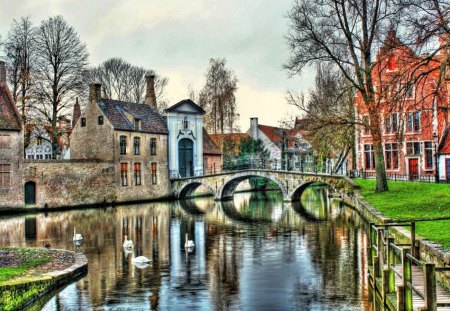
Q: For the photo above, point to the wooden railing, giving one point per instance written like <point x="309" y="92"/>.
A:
<point x="391" y="271"/>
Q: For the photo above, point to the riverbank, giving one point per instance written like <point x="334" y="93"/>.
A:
<point x="27" y="274"/>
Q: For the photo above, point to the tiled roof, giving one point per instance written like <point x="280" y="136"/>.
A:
<point x="115" y="111"/>
<point x="235" y="137"/>
<point x="9" y="116"/>
<point x="275" y="134"/>
<point x="209" y="147"/>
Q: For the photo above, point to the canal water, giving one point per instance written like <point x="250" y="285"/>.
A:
<point x="252" y="253"/>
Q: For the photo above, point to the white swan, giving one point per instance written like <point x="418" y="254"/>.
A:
<point x="189" y="244"/>
<point x="127" y="243"/>
<point x="141" y="259"/>
<point x="76" y="236"/>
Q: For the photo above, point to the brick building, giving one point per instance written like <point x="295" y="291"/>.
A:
<point x="212" y="155"/>
<point x="133" y="136"/>
<point x="11" y="146"/>
<point x="413" y="114"/>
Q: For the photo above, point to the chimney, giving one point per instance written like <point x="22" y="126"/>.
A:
<point x="2" y="73"/>
<point x="95" y="92"/>
<point x="254" y="128"/>
<point x="76" y="113"/>
<point x="150" y="96"/>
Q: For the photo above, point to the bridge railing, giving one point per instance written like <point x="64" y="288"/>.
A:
<point x="389" y="260"/>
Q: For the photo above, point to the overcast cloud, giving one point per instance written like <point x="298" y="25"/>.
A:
<point x="178" y="37"/>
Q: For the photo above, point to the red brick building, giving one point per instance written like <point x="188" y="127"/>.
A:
<point x="413" y="114"/>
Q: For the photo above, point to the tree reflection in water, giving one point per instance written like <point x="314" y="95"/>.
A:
<point x="254" y="252"/>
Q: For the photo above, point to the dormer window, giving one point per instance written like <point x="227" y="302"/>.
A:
<point x="137" y="124"/>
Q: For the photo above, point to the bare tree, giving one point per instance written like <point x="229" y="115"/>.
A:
<point x="218" y="98"/>
<point x="60" y="62"/>
<point x="20" y="50"/>
<point x="345" y="34"/>
<point x="122" y="81"/>
<point x="328" y="117"/>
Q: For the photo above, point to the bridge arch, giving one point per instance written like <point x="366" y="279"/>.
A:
<point x="187" y="189"/>
<point x="228" y="187"/>
<point x="298" y="190"/>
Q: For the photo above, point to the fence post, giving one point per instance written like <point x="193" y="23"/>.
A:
<point x="413" y="240"/>
<point x="429" y="271"/>
<point x="391" y="262"/>
<point x="407" y="280"/>
<point x="380" y="252"/>
<point x="400" y="298"/>
<point x="385" y="282"/>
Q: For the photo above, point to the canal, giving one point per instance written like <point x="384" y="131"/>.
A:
<point x="252" y="253"/>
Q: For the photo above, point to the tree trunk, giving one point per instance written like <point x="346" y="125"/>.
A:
<point x="381" y="180"/>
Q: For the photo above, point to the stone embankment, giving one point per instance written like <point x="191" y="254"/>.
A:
<point x="429" y="251"/>
<point x="63" y="268"/>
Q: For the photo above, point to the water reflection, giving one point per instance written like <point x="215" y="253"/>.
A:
<point x="255" y="252"/>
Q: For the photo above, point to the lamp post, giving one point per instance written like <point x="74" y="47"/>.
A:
<point x="435" y="141"/>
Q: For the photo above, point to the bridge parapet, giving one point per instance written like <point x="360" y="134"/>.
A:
<point x="291" y="184"/>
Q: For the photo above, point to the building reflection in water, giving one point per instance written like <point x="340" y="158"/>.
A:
<point x="253" y="252"/>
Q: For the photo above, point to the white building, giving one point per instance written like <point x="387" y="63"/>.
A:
<point x="185" y="125"/>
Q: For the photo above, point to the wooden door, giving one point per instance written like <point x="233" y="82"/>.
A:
<point x="447" y="169"/>
<point x="413" y="169"/>
<point x="185" y="157"/>
<point x="30" y="193"/>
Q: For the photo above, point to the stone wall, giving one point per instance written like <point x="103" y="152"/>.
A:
<point x="12" y="195"/>
<point x="70" y="183"/>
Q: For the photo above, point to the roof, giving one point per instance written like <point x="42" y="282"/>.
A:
<point x="9" y="116"/>
<point x="115" y="111"/>
<point x="235" y="137"/>
<point x="186" y="106"/>
<point x="275" y="134"/>
<point x="209" y="146"/>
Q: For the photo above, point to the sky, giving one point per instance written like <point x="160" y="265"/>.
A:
<point x="176" y="38"/>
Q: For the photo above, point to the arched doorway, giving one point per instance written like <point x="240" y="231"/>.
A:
<point x="185" y="157"/>
<point x="30" y="193"/>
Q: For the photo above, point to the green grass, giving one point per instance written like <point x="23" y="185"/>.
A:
<point x="408" y="200"/>
<point x="414" y="201"/>
<point x="30" y="258"/>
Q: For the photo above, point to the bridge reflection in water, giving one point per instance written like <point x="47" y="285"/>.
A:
<point x="254" y="252"/>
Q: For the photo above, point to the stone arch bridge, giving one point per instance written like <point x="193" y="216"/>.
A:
<point x="291" y="184"/>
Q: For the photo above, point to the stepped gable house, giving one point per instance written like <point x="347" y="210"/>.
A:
<point x="133" y="136"/>
<point x="11" y="146"/>
<point x="414" y="121"/>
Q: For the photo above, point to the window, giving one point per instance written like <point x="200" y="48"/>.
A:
<point x="153" y="173"/>
<point x="408" y="88"/>
<point x="391" y="123"/>
<point x="391" y="151"/>
<point x="137" y="143"/>
<point x="137" y="174"/>
<point x="124" y="174"/>
<point x="366" y="121"/>
<point x="413" y="121"/>
<point x="137" y="124"/>
<point x="5" y="175"/>
<point x="413" y="148"/>
<point x="369" y="157"/>
<point x="100" y="120"/>
<point x="83" y="122"/>
<point x="153" y="146"/>
<point x="5" y="141"/>
<point x="123" y="145"/>
<point x="428" y="154"/>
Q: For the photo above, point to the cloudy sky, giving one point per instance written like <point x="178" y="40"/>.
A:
<point x="177" y="38"/>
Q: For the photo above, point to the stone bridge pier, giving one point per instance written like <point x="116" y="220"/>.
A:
<point x="223" y="185"/>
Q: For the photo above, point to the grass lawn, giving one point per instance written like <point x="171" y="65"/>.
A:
<point x="28" y="258"/>
<point x="413" y="200"/>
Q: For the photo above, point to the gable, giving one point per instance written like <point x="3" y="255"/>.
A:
<point x="186" y="106"/>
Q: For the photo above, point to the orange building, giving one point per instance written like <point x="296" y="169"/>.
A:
<point x="413" y="112"/>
